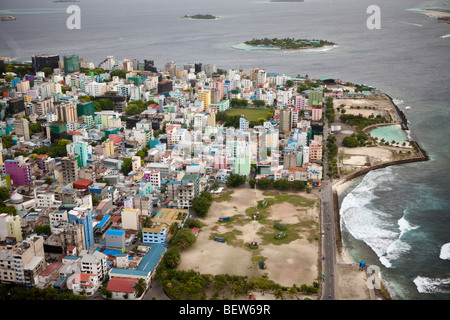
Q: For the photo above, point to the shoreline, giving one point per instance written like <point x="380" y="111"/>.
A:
<point x="341" y="185"/>
<point x="266" y="48"/>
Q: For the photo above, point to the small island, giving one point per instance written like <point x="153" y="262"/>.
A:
<point x="289" y="43"/>
<point x="201" y="16"/>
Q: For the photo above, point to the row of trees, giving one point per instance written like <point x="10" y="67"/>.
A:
<point x="57" y="149"/>
<point x="280" y="184"/>
<point x="137" y="106"/>
<point x="202" y="203"/>
<point x="15" y="293"/>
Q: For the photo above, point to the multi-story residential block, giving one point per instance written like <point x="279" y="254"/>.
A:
<point x="10" y="226"/>
<point x="85" y="284"/>
<point x="22" y="263"/>
<point x="19" y="171"/>
<point x="21" y="128"/>
<point x="130" y="219"/>
<point x="315" y="151"/>
<point x="285" y="120"/>
<point x="94" y="263"/>
<point x="188" y="190"/>
<point x="155" y="235"/>
<point x="70" y="169"/>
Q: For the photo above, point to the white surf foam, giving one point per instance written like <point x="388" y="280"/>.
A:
<point x="431" y="285"/>
<point x="412" y="24"/>
<point x="445" y="252"/>
<point x="373" y="226"/>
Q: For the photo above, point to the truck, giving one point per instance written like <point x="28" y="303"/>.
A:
<point x="218" y="239"/>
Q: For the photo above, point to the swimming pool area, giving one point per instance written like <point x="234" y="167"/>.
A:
<point x="389" y="133"/>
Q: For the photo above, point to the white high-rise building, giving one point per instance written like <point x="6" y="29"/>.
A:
<point x="95" y="89"/>
<point x="108" y="63"/>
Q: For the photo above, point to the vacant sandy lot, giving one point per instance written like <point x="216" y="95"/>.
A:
<point x="287" y="264"/>
<point x="382" y="106"/>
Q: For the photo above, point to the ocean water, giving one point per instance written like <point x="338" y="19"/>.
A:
<point x="396" y="218"/>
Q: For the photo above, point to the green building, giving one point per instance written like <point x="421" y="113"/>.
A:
<point x="135" y="80"/>
<point x="58" y="130"/>
<point x="71" y="64"/>
<point x="85" y="108"/>
<point x="82" y="151"/>
<point x="109" y="131"/>
<point x="315" y="95"/>
<point x="88" y="121"/>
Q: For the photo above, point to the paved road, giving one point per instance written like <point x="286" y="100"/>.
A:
<point x="328" y="243"/>
<point x="328" y="229"/>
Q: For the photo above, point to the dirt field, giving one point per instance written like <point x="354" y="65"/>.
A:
<point x="290" y="263"/>
<point x="382" y="106"/>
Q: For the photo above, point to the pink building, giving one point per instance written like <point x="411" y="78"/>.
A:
<point x="20" y="172"/>
<point x="219" y="86"/>
<point x="220" y="162"/>
<point x="300" y="102"/>
<point x="128" y="203"/>
<point x="316" y="113"/>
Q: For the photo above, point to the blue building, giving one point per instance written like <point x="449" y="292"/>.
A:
<point x="83" y="217"/>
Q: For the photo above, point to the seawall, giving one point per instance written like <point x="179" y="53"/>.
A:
<point x="423" y="156"/>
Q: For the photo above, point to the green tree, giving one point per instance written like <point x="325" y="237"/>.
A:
<point x="7" y="141"/>
<point x="119" y="73"/>
<point x="184" y="238"/>
<point x="58" y="148"/>
<point x="140" y="287"/>
<point x="126" y="166"/>
<point x="43" y="229"/>
<point x="350" y="142"/>
<point x="201" y="205"/>
<point x="172" y="258"/>
<point x="264" y="184"/>
<point x="4" y="193"/>
<point x="298" y="185"/>
<point x="282" y="184"/>
<point x="47" y="71"/>
<point x="35" y="128"/>
<point x="235" y="180"/>
<point x="259" y="103"/>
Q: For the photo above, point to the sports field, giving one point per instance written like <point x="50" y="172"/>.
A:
<point x="249" y="114"/>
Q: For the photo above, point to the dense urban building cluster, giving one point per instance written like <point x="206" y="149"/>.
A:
<point x="91" y="154"/>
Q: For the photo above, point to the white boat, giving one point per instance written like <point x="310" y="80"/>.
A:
<point x="8" y="18"/>
<point x="408" y="107"/>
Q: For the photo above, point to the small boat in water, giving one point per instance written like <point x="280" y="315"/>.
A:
<point x="408" y="107"/>
<point x="8" y="18"/>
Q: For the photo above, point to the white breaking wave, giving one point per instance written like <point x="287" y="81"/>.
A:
<point x="397" y="101"/>
<point x="325" y="48"/>
<point x="405" y="226"/>
<point x="432" y="285"/>
<point x="370" y="225"/>
<point x="445" y="252"/>
<point x="413" y="24"/>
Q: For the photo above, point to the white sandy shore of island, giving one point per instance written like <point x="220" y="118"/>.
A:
<point x="351" y="282"/>
<point x="246" y="47"/>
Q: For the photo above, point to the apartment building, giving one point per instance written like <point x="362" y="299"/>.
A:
<point x="22" y="263"/>
<point x="70" y="169"/>
<point x="94" y="263"/>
